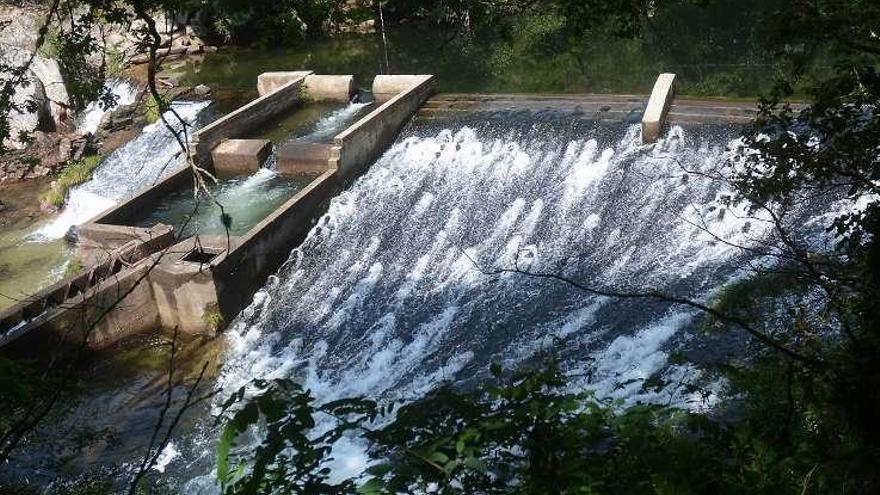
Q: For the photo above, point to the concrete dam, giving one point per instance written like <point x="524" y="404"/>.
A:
<point x="151" y="263"/>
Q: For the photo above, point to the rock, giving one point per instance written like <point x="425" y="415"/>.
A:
<point x="188" y="40"/>
<point x="165" y="82"/>
<point x="55" y="90"/>
<point x="202" y="90"/>
<point x="20" y="26"/>
<point x="178" y="93"/>
<point x="31" y="90"/>
<point x="42" y="97"/>
<point x="40" y="171"/>
<point x="81" y="146"/>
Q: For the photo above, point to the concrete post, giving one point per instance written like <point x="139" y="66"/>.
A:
<point x="240" y="155"/>
<point x="658" y="107"/>
<point x="268" y="82"/>
<point x="386" y="87"/>
<point x="329" y="88"/>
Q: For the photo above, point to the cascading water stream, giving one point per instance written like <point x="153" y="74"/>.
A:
<point x="388" y="297"/>
<point x="154" y="154"/>
<point x="332" y="123"/>
<point x="383" y="299"/>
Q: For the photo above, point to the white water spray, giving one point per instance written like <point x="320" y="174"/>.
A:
<point x="140" y="163"/>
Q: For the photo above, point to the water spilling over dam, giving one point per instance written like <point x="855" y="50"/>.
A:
<point x="387" y="298"/>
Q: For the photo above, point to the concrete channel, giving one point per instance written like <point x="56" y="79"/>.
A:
<point x="143" y="278"/>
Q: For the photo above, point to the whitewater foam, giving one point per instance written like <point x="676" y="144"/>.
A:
<point x="406" y="282"/>
<point x="141" y="162"/>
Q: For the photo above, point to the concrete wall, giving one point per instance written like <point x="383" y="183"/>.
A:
<point x="365" y="140"/>
<point x="184" y="291"/>
<point x="241" y="272"/>
<point x="166" y="288"/>
<point x="96" y="243"/>
<point x="240" y="155"/>
<point x="658" y="107"/>
<point x="83" y="308"/>
<point x="299" y="158"/>
<point x="317" y="87"/>
<point x="268" y="82"/>
<point x="239" y="122"/>
<point x="386" y="87"/>
<point x="134" y="207"/>
<point x="329" y="88"/>
<point x="74" y="324"/>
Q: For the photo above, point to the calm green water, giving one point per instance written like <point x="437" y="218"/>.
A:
<point x="715" y="52"/>
<point x="247" y="199"/>
<point x="26" y="266"/>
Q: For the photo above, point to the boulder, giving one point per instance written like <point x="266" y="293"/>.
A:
<point x="27" y="99"/>
<point x="42" y="98"/>
<point x="54" y="88"/>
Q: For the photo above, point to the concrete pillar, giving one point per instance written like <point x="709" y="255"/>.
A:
<point x="658" y="107"/>
<point x="268" y="82"/>
<point x="241" y="155"/>
<point x="386" y="87"/>
<point x="329" y="88"/>
<point x="298" y="158"/>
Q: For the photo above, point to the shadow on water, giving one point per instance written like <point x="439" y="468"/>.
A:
<point x="107" y="415"/>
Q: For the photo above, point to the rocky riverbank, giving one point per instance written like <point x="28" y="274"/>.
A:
<point x="51" y="132"/>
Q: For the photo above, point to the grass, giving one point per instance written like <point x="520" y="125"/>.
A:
<point x="76" y="172"/>
<point x="51" y="47"/>
<point x="115" y="61"/>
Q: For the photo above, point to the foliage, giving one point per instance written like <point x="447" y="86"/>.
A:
<point x="292" y="451"/>
<point x="71" y="47"/>
<point x="212" y="317"/>
<point x="115" y="61"/>
<point x="527" y="434"/>
<point x="793" y="427"/>
<point x="74" y="173"/>
<point x="268" y="24"/>
<point x="153" y="109"/>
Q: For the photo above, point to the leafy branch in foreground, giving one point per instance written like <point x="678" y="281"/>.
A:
<point x="527" y="434"/>
<point x="292" y="454"/>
